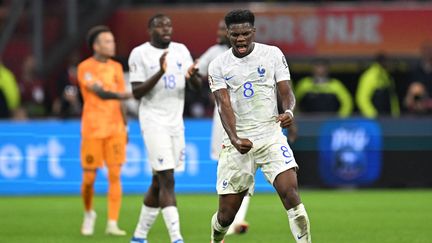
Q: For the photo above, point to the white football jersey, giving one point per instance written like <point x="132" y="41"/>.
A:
<point x="163" y="105"/>
<point x="251" y="83"/>
<point x="208" y="56"/>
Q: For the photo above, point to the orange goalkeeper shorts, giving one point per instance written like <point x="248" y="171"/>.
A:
<point x="94" y="151"/>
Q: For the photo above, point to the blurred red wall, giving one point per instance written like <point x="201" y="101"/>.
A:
<point x="299" y="30"/>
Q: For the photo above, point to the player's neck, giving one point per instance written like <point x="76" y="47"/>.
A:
<point x="159" y="45"/>
<point x="100" y="58"/>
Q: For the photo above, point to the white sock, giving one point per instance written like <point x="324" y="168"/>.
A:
<point x="172" y="222"/>
<point x="147" y="217"/>
<point x="89" y="213"/>
<point x="299" y="224"/>
<point x="112" y="223"/>
<point x="215" y="226"/>
<point x="240" y="216"/>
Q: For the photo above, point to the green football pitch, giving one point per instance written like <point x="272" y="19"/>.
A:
<point x="343" y="216"/>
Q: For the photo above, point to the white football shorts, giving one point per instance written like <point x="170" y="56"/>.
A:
<point x="236" y="172"/>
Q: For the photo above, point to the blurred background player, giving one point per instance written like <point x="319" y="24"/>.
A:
<point x="222" y="44"/>
<point x="9" y="92"/>
<point x="203" y="63"/>
<point x="103" y="126"/>
<point x="418" y="99"/>
<point x="68" y="104"/>
<point x="376" y="93"/>
<point x="244" y="83"/>
<point x="33" y="89"/>
<point x="323" y="94"/>
<point x="159" y="71"/>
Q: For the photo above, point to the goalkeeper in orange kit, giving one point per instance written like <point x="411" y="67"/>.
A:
<point x="103" y="126"/>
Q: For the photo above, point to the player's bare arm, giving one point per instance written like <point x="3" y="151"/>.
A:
<point x="125" y="122"/>
<point x="243" y="145"/>
<point x="193" y="78"/>
<point x="287" y="101"/>
<point x="139" y="89"/>
<point x="108" y="95"/>
<point x="292" y="132"/>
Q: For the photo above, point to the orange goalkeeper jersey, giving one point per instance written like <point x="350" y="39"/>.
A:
<point x="101" y="118"/>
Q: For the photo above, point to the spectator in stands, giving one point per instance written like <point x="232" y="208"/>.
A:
<point x="32" y="89"/>
<point x="321" y="93"/>
<point x="9" y="92"/>
<point x="69" y="102"/>
<point x="419" y="96"/>
<point x="376" y="93"/>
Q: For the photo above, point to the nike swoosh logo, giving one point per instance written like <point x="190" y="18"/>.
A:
<point x="228" y="78"/>
<point x="301" y="236"/>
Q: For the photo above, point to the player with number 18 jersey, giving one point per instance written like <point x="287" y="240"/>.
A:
<point x="159" y="71"/>
<point x="163" y="106"/>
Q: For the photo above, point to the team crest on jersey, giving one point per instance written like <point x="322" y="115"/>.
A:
<point x="261" y="71"/>
<point x="179" y="65"/>
<point x="284" y="61"/>
<point x="88" y="76"/>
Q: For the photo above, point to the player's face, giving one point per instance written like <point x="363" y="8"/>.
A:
<point x="222" y="34"/>
<point x="320" y="70"/>
<point x="426" y="52"/>
<point x="161" y="30"/>
<point x="241" y="37"/>
<point x="105" y="44"/>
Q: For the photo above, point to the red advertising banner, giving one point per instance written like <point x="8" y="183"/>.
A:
<point x="299" y="30"/>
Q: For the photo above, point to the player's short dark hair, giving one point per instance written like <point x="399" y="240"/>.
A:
<point x="152" y="19"/>
<point x="93" y="34"/>
<point x="239" y="16"/>
<point x="381" y="57"/>
<point x="321" y="61"/>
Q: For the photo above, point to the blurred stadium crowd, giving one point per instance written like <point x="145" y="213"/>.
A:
<point x="380" y="85"/>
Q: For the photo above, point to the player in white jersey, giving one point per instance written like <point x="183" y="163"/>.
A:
<point x="247" y="81"/>
<point x="203" y="63"/>
<point x="239" y="224"/>
<point x="159" y="71"/>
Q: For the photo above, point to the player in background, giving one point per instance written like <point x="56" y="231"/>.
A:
<point x="239" y="224"/>
<point x="247" y="82"/>
<point x="159" y="71"/>
<point x="203" y="63"/>
<point x="103" y="126"/>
